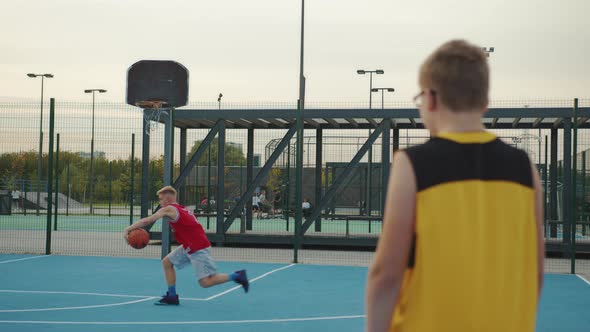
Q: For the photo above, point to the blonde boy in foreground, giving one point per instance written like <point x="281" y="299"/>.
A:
<point x="462" y="245"/>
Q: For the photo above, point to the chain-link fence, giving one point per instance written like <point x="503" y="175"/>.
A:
<point x="98" y="178"/>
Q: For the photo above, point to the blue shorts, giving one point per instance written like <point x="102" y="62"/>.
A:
<point x="201" y="261"/>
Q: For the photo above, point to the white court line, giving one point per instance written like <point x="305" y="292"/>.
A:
<point x="22" y="259"/>
<point x="251" y="281"/>
<point x="584" y="279"/>
<point x="83" y="307"/>
<point x="92" y="294"/>
<point x="142" y="298"/>
<point x="209" y="322"/>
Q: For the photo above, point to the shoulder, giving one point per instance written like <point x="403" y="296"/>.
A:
<point x="171" y="211"/>
<point x="509" y="151"/>
<point x="433" y="148"/>
<point x="512" y="162"/>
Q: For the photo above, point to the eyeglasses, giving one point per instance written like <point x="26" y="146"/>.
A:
<point x="419" y="98"/>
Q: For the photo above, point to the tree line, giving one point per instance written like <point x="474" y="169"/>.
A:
<point x="18" y="171"/>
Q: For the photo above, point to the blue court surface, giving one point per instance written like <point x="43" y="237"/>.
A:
<point x="71" y="293"/>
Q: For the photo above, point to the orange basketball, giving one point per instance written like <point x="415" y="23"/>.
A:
<point x="138" y="238"/>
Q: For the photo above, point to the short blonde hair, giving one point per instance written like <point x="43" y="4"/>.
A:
<point x="458" y="72"/>
<point x="167" y="190"/>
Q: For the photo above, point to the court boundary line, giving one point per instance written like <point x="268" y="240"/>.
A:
<point x="251" y="281"/>
<point x="211" y="322"/>
<point x="81" y="307"/>
<point x="142" y="298"/>
<point x="89" y="294"/>
<point x="583" y="279"/>
<point x="22" y="259"/>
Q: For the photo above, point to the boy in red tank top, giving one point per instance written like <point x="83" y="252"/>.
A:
<point x="194" y="247"/>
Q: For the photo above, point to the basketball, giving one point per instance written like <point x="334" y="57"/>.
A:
<point x="138" y="238"/>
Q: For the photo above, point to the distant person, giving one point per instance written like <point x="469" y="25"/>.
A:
<point x="194" y="249"/>
<point x="15" y="197"/>
<point x="256" y="203"/>
<point x="262" y="196"/>
<point x="277" y="201"/>
<point x="306" y="207"/>
<point x="263" y="204"/>
<point x="462" y="242"/>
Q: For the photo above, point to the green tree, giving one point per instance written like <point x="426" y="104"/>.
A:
<point x="275" y="179"/>
<point x="17" y="166"/>
<point x="233" y="154"/>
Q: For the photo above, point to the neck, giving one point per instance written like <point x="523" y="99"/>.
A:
<point x="459" y="122"/>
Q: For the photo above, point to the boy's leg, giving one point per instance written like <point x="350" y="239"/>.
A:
<point x="169" y="272"/>
<point x="206" y="271"/>
<point x="220" y="278"/>
<point x="213" y="280"/>
<point x="179" y="258"/>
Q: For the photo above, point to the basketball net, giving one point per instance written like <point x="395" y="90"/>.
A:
<point x="154" y="116"/>
<point x="525" y="142"/>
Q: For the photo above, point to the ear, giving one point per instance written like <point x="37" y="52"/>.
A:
<point x="485" y="109"/>
<point x="431" y="101"/>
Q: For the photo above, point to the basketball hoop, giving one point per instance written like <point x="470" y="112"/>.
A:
<point x="156" y="111"/>
<point x="150" y="104"/>
<point x="158" y="87"/>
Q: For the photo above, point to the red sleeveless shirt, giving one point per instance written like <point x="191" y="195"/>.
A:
<point x="187" y="230"/>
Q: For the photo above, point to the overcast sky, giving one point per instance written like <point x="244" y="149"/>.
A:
<point x="249" y="50"/>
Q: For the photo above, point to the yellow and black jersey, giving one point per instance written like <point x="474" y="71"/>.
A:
<point x="474" y="258"/>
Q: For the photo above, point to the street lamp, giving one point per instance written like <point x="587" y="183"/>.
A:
<point x="488" y="50"/>
<point x="370" y="72"/>
<point x="219" y="100"/>
<point x="370" y="154"/>
<point x="382" y="93"/>
<point x="39" y="162"/>
<point x="93" y="91"/>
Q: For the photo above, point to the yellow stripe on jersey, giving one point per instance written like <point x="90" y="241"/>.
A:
<point x="469" y="137"/>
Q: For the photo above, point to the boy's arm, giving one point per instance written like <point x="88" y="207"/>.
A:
<point x="391" y="258"/>
<point x="168" y="211"/>
<point x="539" y="223"/>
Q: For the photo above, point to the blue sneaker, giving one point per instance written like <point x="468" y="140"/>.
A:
<point x="242" y="279"/>
<point x="168" y="300"/>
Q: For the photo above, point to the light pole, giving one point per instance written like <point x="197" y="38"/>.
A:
<point x="382" y="93"/>
<point x="40" y="161"/>
<point x="219" y="100"/>
<point x="488" y="50"/>
<point x="370" y="72"/>
<point x="370" y="156"/>
<point x="299" y="142"/>
<point x="382" y="107"/>
<point x="93" y="91"/>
